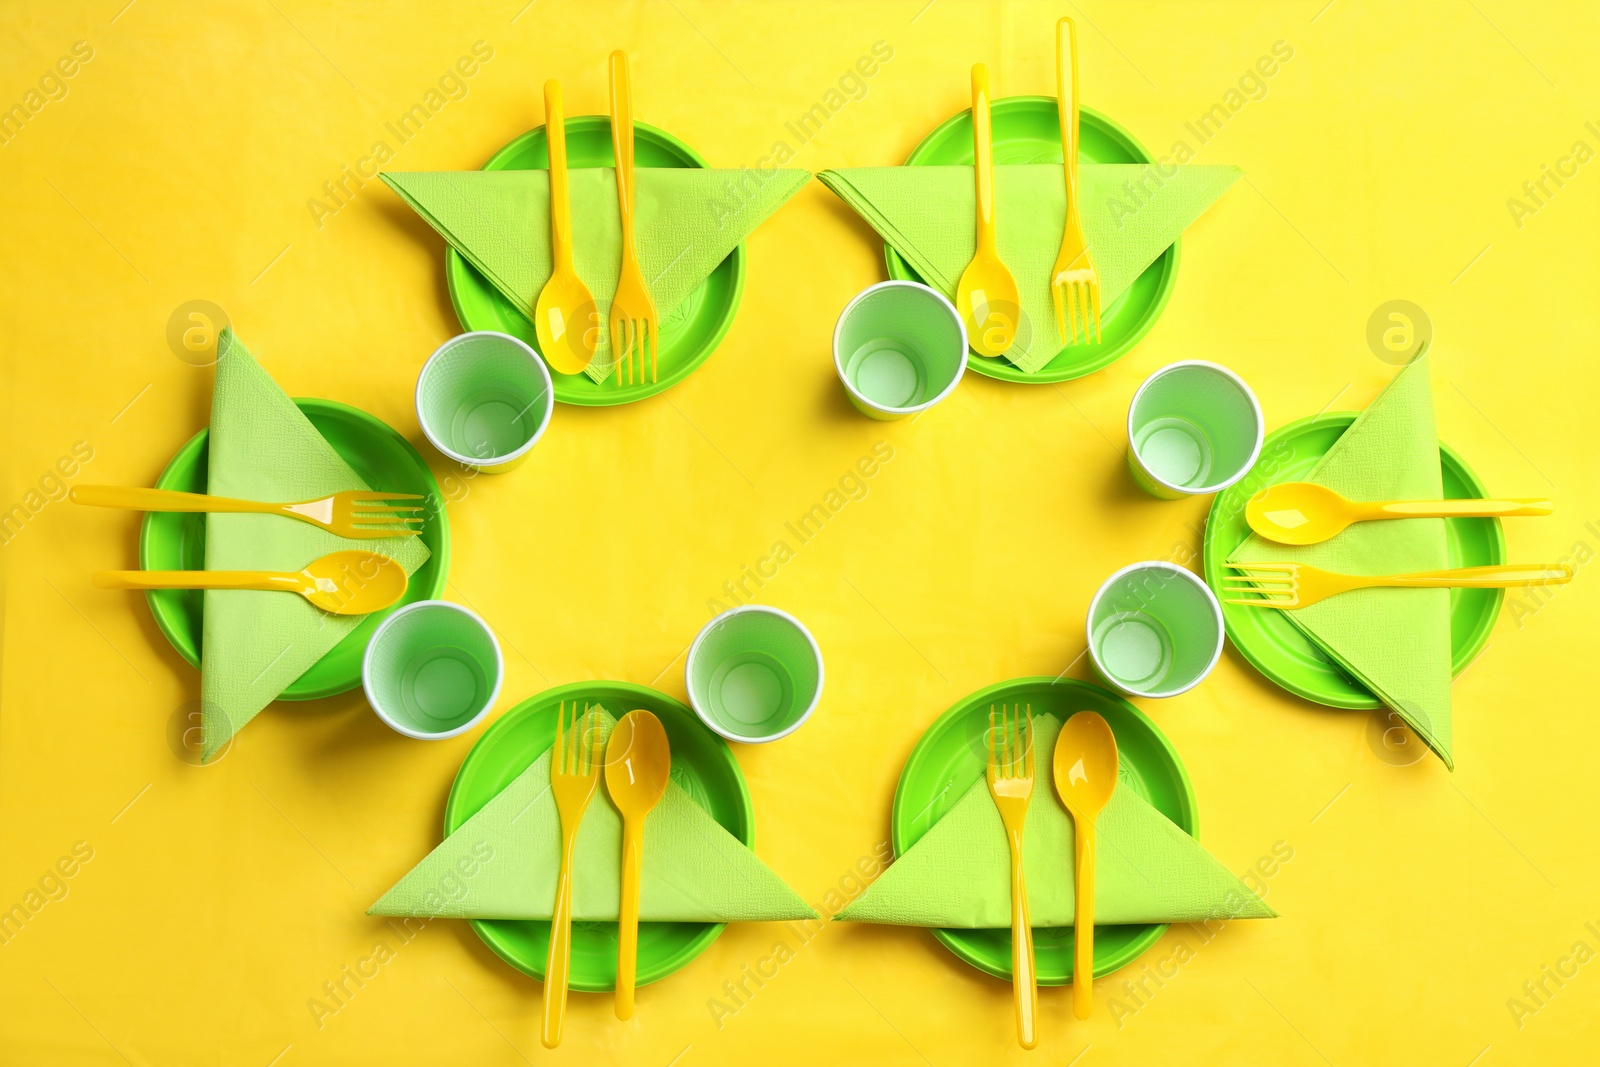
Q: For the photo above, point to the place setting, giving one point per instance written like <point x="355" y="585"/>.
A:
<point x="608" y="246"/>
<point x="600" y="835"/>
<point x="1057" y="260"/>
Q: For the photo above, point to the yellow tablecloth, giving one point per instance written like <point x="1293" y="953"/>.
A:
<point x="156" y="912"/>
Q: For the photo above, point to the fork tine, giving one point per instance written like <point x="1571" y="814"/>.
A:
<point x="560" y="747"/>
<point x="655" y="332"/>
<point x="379" y="509"/>
<point x="1094" y="292"/>
<point x="1061" y="319"/>
<point x="1256" y="603"/>
<point x="1083" y="308"/>
<point x="364" y="496"/>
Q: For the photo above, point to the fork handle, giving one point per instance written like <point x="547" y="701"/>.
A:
<point x="1083" y="920"/>
<point x="1446" y="509"/>
<point x="1067" y="106"/>
<point x="135" y="498"/>
<point x="622" y="142"/>
<point x="1499" y="577"/>
<point x="982" y="156"/>
<point x="559" y="962"/>
<point x="1024" y="985"/>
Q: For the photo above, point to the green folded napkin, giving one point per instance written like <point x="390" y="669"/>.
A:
<point x="1396" y="642"/>
<point x="685" y="222"/>
<point x="958" y="874"/>
<point x="694" y="870"/>
<point x="1131" y="213"/>
<point x="254" y="644"/>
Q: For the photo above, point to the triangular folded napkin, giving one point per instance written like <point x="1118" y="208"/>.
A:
<point x="255" y="644"/>
<point x="1148" y="870"/>
<point x="1131" y="212"/>
<point x="1396" y="642"/>
<point x="694" y="870"/>
<point x="685" y="221"/>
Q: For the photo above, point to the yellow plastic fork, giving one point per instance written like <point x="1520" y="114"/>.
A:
<point x="1074" y="283"/>
<point x="1011" y="785"/>
<point x="352" y="513"/>
<point x="575" y="761"/>
<point x="1299" y="585"/>
<point x="633" y="320"/>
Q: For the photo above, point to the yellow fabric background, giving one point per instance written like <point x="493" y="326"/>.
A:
<point x="218" y="900"/>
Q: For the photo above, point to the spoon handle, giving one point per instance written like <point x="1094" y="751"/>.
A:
<point x="628" y="917"/>
<point x="1446" y="509"/>
<point x="270" y="580"/>
<point x="555" y="133"/>
<point x="982" y="157"/>
<point x="1083" y="920"/>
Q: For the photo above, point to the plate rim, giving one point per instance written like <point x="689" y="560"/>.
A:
<point x="170" y="628"/>
<point x="1167" y="262"/>
<point x="456" y="268"/>
<point x="1190" y="823"/>
<point x="1477" y="638"/>
<point x="709" y="932"/>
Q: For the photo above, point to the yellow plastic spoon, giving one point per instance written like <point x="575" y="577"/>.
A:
<point x="342" y="583"/>
<point x="1085" y="770"/>
<point x="1304" y="513"/>
<point x="565" y="319"/>
<point x="638" y="760"/>
<point x="986" y="296"/>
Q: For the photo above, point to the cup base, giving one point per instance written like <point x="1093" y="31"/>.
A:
<point x="1135" y="649"/>
<point x="888" y="372"/>
<point x="441" y="689"/>
<point x="750" y="691"/>
<point x="1175" y="450"/>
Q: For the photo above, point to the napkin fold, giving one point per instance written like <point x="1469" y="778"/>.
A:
<point x="958" y="874"/>
<point x="1396" y="642"/>
<point x="686" y="222"/>
<point x="1131" y="213"/>
<point x="254" y="644"/>
<point x="503" y="863"/>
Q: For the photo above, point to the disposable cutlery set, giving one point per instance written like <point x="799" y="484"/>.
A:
<point x="637" y="762"/>
<point x="1303" y="513"/>
<point x="1085" y="773"/>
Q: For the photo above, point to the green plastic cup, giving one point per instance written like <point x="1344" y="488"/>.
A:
<point x="483" y="399"/>
<point x="1193" y="428"/>
<point x="754" y="674"/>
<point x="899" y="348"/>
<point x="432" y="670"/>
<point x="1155" y="630"/>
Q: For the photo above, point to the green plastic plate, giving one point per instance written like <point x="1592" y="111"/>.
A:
<point x="1270" y="642"/>
<point x="1026" y="130"/>
<point x="702" y="764"/>
<point x="690" y="332"/>
<point x="951" y="756"/>
<point x="173" y="541"/>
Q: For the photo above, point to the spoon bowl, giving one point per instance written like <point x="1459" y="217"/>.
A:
<point x="1298" y="513"/>
<point x="354" y="583"/>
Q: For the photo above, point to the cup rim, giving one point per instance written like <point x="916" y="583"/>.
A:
<point x="1255" y="406"/>
<point x="424" y="735"/>
<point x="694" y="649"/>
<point x="1162" y="565"/>
<point x="838" y="364"/>
<point x="478" y="461"/>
